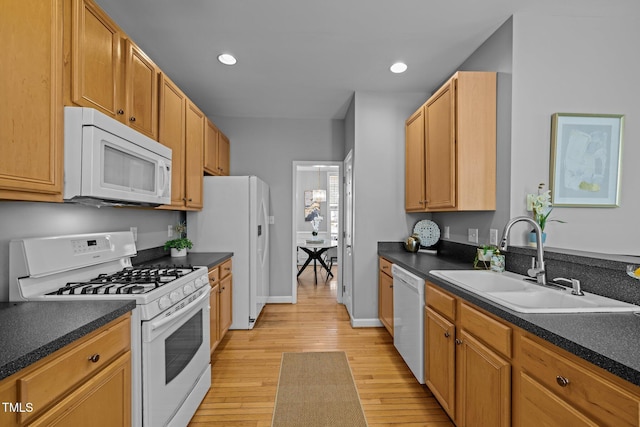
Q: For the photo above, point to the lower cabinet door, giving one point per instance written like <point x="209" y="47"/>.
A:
<point x="484" y="385"/>
<point x="103" y="401"/>
<point x="439" y="364"/>
<point x="540" y="407"/>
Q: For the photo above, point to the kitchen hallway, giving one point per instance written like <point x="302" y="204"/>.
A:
<point x="246" y="364"/>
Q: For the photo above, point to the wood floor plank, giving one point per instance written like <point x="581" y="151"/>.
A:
<point x="246" y="365"/>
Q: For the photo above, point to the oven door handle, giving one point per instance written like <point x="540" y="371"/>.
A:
<point x="155" y="324"/>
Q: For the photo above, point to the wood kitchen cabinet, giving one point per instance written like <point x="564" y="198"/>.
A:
<point x="467" y="361"/>
<point x="194" y="156"/>
<point x="31" y="114"/>
<point x="385" y="294"/>
<point x="558" y="389"/>
<point x="141" y="91"/>
<point x="214" y="304"/>
<point x="485" y="371"/>
<point x="221" y="281"/>
<point x="182" y="130"/>
<point x="87" y="382"/>
<point x="216" y="151"/>
<point x="108" y="71"/>
<point x="226" y="297"/>
<point x="450" y="147"/>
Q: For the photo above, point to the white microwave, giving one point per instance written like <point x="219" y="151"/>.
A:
<point x="106" y="163"/>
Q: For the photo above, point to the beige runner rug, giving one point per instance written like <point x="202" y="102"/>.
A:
<point x="317" y="389"/>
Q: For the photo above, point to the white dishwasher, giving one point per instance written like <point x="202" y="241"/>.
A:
<point x="408" y="319"/>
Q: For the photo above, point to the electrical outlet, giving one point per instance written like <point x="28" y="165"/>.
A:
<point x="493" y="236"/>
<point x="272" y="220"/>
<point x="170" y="231"/>
<point x="447" y="233"/>
<point x="134" y="230"/>
<point x="473" y="235"/>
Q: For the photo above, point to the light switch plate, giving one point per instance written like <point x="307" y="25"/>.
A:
<point x="447" y="232"/>
<point x="134" y="231"/>
<point x="170" y="231"/>
<point x="272" y="220"/>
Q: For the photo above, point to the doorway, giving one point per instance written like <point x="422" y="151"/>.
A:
<point x="317" y="202"/>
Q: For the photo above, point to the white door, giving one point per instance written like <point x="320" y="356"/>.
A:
<point x="347" y="251"/>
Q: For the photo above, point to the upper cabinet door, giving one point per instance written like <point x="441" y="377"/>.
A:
<point x="173" y="108"/>
<point x="31" y="108"/>
<point x="194" y="156"/>
<point x="95" y="60"/>
<point x="141" y="76"/>
<point x="211" y="148"/>
<point x="414" y="162"/>
<point x="441" y="148"/>
<point x="223" y="154"/>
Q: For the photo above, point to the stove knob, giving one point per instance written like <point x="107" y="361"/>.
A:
<point x="188" y="288"/>
<point x="164" y="302"/>
<point x="201" y="281"/>
<point x="175" y="296"/>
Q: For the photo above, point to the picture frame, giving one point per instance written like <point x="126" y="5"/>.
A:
<point x="586" y="155"/>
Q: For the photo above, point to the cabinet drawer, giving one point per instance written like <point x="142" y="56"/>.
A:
<point x="385" y="266"/>
<point x="53" y="380"/>
<point x="226" y="268"/>
<point x="440" y="301"/>
<point x="214" y="276"/>
<point x="485" y="328"/>
<point x="584" y="389"/>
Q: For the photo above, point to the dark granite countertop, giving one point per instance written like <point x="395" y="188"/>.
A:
<point x="29" y="331"/>
<point x="608" y="340"/>
<point x="207" y="259"/>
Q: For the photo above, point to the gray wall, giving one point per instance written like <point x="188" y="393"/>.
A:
<point x="267" y="148"/>
<point x="577" y="61"/>
<point x="29" y="219"/>
<point x="378" y="189"/>
<point x="495" y="54"/>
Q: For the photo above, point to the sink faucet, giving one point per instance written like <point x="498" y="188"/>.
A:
<point x="538" y="270"/>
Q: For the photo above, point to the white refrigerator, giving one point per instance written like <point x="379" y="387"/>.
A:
<point x="235" y="218"/>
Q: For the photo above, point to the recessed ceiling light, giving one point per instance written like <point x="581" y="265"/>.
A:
<point x="227" y="59"/>
<point x="398" y="67"/>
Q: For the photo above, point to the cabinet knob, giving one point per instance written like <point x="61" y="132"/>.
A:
<point x="562" y="381"/>
<point x="94" y="358"/>
<point x="132" y="119"/>
<point x="120" y="111"/>
<point x="458" y="341"/>
<point x="447" y="334"/>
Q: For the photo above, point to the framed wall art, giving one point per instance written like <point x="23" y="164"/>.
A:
<point x="586" y="152"/>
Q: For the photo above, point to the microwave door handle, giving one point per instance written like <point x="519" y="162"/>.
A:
<point x="163" y="176"/>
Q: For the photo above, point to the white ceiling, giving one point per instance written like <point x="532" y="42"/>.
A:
<point x="304" y="59"/>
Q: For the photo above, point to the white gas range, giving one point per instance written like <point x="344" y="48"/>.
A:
<point x="171" y="370"/>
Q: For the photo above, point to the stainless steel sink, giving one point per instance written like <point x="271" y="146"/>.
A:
<point x="514" y="292"/>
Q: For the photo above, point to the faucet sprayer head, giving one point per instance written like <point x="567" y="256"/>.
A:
<point x="503" y="244"/>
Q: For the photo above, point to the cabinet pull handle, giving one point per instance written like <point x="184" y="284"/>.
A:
<point x="458" y="341"/>
<point x="562" y="381"/>
<point x="94" y="358"/>
<point x="447" y="334"/>
<point x="121" y="111"/>
<point x="132" y="119"/>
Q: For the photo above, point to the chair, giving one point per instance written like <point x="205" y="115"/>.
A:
<point x="330" y="256"/>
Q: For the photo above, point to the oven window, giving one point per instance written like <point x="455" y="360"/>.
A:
<point x="181" y="346"/>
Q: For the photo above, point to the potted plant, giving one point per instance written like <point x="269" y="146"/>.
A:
<point x="180" y="245"/>
<point x="540" y="205"/>
<point x="484" y="255"/>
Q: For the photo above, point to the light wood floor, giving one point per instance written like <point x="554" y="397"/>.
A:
<point x="246" y="364"/>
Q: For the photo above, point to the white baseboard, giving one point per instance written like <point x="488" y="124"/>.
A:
<point x="365" y="323"/>
<point x="280" y="300"/>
